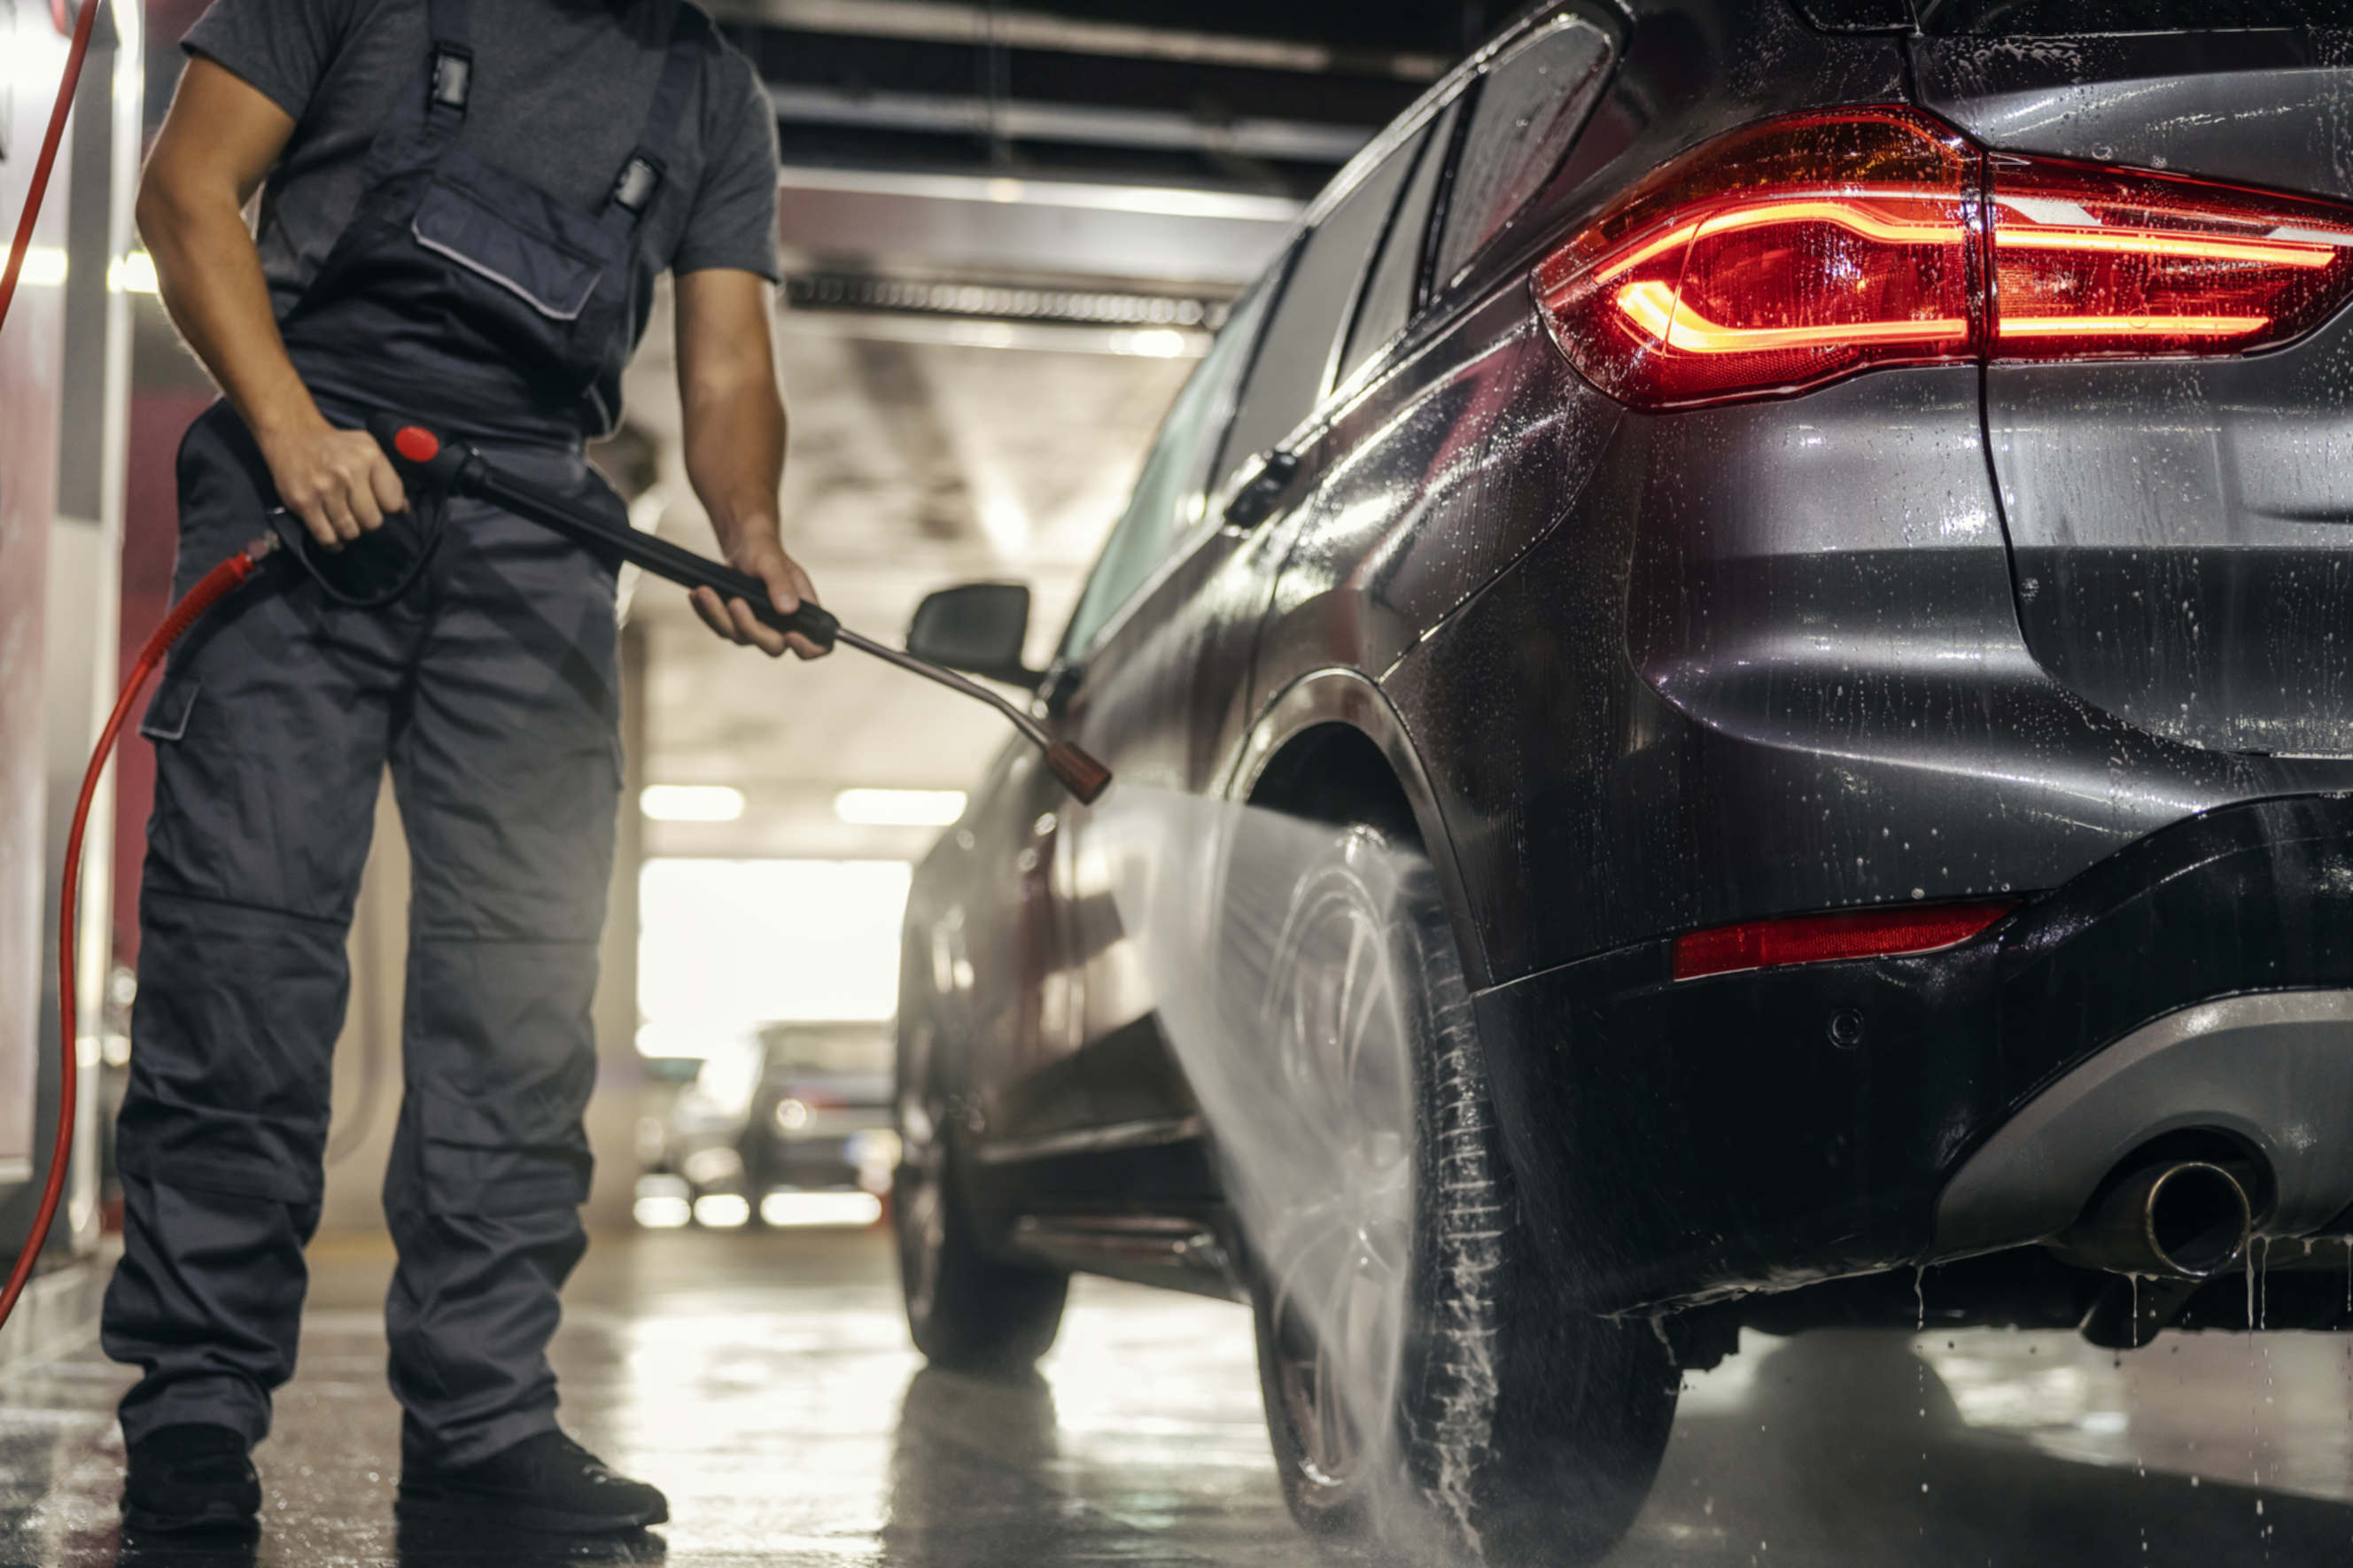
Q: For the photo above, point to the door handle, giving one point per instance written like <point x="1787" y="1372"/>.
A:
<point x="1256" y="501"/>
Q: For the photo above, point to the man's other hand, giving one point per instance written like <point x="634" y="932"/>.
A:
<point x="758" y="553"/>
<point x="338" y="482"/>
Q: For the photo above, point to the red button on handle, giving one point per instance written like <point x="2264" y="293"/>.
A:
<point x="416" y="444"/>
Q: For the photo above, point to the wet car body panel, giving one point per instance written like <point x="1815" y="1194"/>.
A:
<point x="992" y="961"/>
<point x="2257" y="107"/>
<point x="1758" y="1152"/>
<point x="2179" y="526"/>
<point x="1637" y="673"/>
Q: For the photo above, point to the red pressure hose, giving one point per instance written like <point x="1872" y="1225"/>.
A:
<point x="17" y="249"/>
<point x="44" y="163"/>
<point x="217" y="586"/>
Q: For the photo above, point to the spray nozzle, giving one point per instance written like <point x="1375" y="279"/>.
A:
<point x="1079" y="771"/>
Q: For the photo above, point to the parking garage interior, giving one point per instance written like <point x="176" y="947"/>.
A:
<point x="1011" y="234"/>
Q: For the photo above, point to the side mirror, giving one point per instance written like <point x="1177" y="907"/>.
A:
<point x="979" y="628"/>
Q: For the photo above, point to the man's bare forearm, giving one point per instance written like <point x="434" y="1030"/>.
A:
<point x="218" y="143"/>
<point x="736" y="446"/>
<point x="210" y="279"/>
<point x="735" y="452"/>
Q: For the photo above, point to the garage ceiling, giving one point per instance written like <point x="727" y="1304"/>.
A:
<point x="1006" y="231"/>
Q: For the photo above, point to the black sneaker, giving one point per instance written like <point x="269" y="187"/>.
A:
<point x="191" y="1479"/>
<point x="548" y="1482"/>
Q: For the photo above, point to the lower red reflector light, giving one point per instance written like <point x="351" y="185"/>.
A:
<point x="1817" y="939"/>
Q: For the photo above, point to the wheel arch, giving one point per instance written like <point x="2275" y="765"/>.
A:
<point x="1331" y="746"/>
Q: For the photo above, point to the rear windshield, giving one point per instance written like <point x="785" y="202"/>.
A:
<point x="2021" y="19"/>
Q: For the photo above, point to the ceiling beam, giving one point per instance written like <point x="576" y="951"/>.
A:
<point x="1086" y="125"/>
<point x="972" y="228"/>
<point x="944" y="21"/>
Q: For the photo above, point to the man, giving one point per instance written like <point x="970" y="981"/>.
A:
<point x="464" y="207"/>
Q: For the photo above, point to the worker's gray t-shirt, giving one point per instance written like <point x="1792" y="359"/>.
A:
<point x="560" y="93"/>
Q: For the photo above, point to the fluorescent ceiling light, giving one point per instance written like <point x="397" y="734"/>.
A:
<point x="1165" y="201"/>
<point x="722" y="1211"/>
<point x="799" y="1210"/>
<point x="899" y="807"/>
<point x="691" y="803"/>
<point x="1156" y="343"/>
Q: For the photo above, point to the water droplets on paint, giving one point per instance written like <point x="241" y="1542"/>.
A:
<point x="1264" y="946"/>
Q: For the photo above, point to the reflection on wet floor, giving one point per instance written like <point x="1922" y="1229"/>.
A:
<point x="766" y="1383"/>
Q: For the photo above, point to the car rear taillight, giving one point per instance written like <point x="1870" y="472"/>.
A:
<point x="2098" y="263"/>
<point x="1778" y="258"/>
<point x="1805" y="249"/>
<point x="1817" y="939"/>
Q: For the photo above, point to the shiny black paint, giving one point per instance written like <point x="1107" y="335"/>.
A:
<point x="2187" y="574"/>
<point x="1733" y="1144"/>
<point x="1635" y="674"/>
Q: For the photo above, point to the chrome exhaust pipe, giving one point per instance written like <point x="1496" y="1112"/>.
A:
<point x="2179" y="1219"/>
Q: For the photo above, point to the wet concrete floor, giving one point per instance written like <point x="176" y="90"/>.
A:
<point x="765" y="1382"/>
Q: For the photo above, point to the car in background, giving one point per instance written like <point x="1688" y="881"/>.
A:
<point x="1823" y="523"/>
<point x="788" y="1125"/>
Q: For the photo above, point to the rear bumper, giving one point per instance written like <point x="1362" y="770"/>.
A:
<point x="1682" y="1141"/>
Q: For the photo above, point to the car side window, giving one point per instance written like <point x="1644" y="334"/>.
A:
<point x="1287" y="377"/>
<point x="1531" y="101"/>
<point x="1167" y="494"/>
<point x="1391" y="292"/>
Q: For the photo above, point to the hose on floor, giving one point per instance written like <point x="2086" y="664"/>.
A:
<point x="215" y="585"/>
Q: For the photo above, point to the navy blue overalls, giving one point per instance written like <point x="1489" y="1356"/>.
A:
<point x="465" y="295"/>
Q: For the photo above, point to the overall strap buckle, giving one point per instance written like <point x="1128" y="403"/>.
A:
<point x="452" y="76"/>
<point x="641" y="178"/>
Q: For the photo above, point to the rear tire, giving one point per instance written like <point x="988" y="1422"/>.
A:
<point x="967" y="1310"/>
<point x="1488" y="1422"/>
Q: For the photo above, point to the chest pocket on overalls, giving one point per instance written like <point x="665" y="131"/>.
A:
<point x="515" y="238"/>
<point x="460" y="286"/>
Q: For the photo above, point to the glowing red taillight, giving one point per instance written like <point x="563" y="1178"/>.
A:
<point x="2091" y="262"/>
<point x="1805" y="249"/>
<point x="1817" y="939"/>
<point x="1775" y="258"/>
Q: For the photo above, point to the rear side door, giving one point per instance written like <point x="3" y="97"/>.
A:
<point x="1019" y="944"/>
<point x="985" y="970"/>
<point x="2181" y="522"/>
<point x="1160" y="690"/>
<point x="1398" y="535"/>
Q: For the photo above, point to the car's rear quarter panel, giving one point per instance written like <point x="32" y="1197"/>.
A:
<point x="1768" y="658"/>
<point x="2180" y="524"/>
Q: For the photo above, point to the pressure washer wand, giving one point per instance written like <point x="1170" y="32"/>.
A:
<point x="425" y="460"/>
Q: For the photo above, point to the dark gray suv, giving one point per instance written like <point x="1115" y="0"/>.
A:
<point x="1823" y="523"/>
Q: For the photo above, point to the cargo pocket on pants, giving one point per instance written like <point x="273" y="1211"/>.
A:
<point x="167" y="711"/>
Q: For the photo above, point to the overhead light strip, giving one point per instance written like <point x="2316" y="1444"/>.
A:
<point x="1158" y="201"/>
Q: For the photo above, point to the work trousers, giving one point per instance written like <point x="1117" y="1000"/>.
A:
<point x="490" y="691"/>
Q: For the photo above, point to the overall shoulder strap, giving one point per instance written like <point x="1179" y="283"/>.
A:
<point x="690" y="38"/>
<point x="449" y="70"/>
<point x="427" y="115"/>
